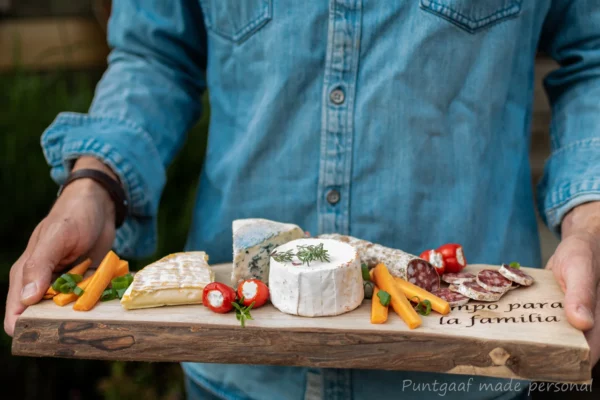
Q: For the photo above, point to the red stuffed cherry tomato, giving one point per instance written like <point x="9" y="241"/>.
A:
<point x="434" y="258"/>
<point x="454" y="257"/>
<point x="253" y="291"/>
<point x="218" y="297"/>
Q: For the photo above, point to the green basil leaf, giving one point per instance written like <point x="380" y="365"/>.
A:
<point x="384" y="297"/>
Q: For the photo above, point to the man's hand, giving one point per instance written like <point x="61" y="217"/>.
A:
<point x="81" y="223"/>
<point x="576" y="267"/>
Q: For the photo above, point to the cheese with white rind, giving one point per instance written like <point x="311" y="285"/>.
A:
<point x="175" y="279"/>
<point x="253" y="241"/>
<point x="321" y="288"/>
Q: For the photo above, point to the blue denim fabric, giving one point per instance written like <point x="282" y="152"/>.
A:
<point x="417" y="112"/>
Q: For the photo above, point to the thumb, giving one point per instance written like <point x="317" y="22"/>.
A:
<point x="576" y="275"/>
<point x="49" y="252"/>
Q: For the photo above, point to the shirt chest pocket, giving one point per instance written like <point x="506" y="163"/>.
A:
<point x="236" y="20"/>
<point x="473" y="15"/>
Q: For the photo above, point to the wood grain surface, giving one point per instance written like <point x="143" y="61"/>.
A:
<point x="524" y="335"/>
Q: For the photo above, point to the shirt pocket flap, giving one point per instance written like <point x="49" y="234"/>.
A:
<point x="473" y="15"/>
<point x="236" y="20"/>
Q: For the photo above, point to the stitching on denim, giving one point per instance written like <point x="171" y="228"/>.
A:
<point x="456" y="17"/>
<point x="245" y="32"/>
<point x="76" y="119"/>
<point x="585" y="143"/>
<point x="563" y="195"/>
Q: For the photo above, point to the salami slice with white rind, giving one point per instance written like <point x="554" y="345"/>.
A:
<point x="453" y="288"/>
<point x="453" y="298"/>
<point x="473" y="291"/>
<point x="516" y="275"/>
<point x="458" y="278"/>
<point x="400" y="264"/>
<point x="493" y="281"/>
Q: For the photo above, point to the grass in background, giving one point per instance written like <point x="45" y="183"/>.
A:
<point x="28" y="104"/>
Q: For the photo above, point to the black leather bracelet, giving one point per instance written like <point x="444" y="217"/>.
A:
<point x="114" y="189"/>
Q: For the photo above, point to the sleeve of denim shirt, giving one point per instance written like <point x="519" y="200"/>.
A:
<point x="146" y="101"/>
<point x="571" y="36"/>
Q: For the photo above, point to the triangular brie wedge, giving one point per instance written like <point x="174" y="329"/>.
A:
<point x="175" y="279"/>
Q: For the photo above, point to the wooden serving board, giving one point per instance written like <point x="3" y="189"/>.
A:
<point x="525" y="336"/>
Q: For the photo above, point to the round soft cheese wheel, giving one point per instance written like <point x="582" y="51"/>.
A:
<point x="320" y="288"/>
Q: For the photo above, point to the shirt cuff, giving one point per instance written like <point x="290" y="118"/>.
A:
<point x="132" y="155"/>
<point x="571" y="178"/>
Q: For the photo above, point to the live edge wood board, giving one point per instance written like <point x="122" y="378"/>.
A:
<point x="525" y="336"/>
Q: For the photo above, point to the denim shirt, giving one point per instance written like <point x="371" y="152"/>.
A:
<point x="406" y="123"/>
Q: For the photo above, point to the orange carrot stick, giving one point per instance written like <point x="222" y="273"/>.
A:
<point x="100" y="281"/>
<point x="411" y="290"/>
<point x="79" y="269"/>
<point x="400" y="304"/>
<point x="62" y="299"/>
<point x="379" y="312"/>
<point x="122" y="268"/>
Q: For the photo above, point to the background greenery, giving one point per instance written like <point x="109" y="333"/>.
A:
<point x="28" y="104"/>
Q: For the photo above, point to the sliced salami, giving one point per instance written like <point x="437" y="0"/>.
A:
<point x="491" y="280"/>
<point x="453" y="288"/>
<point x="473" y="291"/>
<point x="515" y="275"/>
<point x="400" y="264"/>
<point x="458" y="278"/>
<point x="453" y="298"/>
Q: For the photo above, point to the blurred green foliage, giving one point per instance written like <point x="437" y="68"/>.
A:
<point x="28" y="104"/>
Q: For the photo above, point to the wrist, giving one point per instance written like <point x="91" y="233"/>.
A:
<point x="93" y="177"/>
<point x="93" y="192"/>
<point x="584" y="218"/>
<point x="89" y="162"/>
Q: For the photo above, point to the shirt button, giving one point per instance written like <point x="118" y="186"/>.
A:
<point x="337" y="96"/>
<point x="333" y="197"/>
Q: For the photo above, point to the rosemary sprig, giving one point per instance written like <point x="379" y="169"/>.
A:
<point x="306" y="254"/>
<point x="283" y="257"/>
<point x="309" y="253"/>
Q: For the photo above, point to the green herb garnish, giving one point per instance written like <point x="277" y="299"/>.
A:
<point x="108" y="294"/>
<point x="384" y="298"/>
<point x="67" y="283"/>
<point x="365" y="272"/>
<point x="242" y="313"/>
<point x="78" y="291"/>
<point x="306" y="254"/>
<point x="118" y="286"/>
<point x="422" y="307"/>
<point x="515" y="265"/>
<point x="283" y="257"/>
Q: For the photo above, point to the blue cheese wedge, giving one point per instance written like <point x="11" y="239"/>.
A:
<point x="176" y="279"/>
<point x="253" y="241"/>
<point x="319" y="288"/>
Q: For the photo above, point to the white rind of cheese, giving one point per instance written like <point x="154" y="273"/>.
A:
<point x="321" y="288"/>
<point x="253" y="241"/>
<point x="175" y="279"/>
